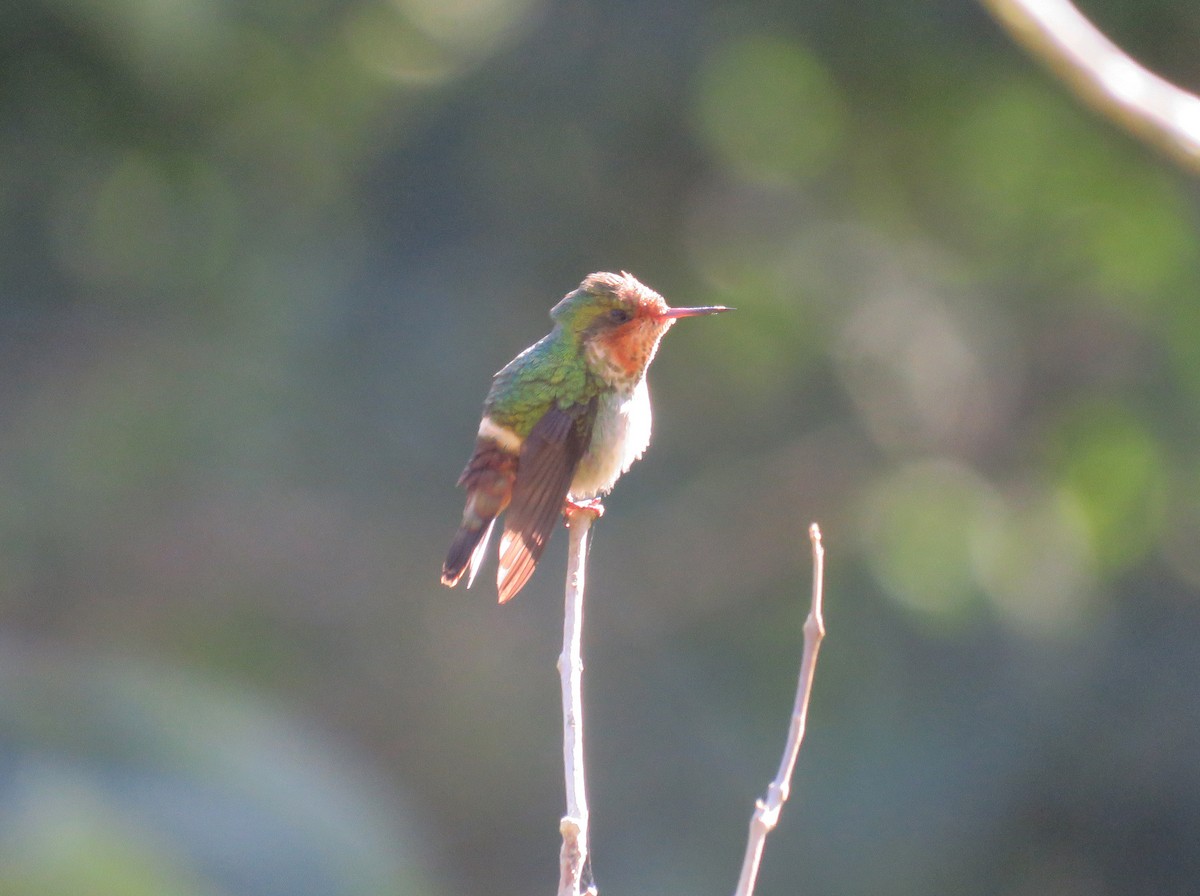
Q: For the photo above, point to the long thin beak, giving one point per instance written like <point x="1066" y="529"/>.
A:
<point x="692" y="312"/>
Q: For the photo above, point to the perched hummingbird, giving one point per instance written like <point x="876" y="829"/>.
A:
<point x="562" y="421"/>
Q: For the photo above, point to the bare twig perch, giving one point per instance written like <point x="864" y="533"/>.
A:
<point x="1102" y="74"/>
<point x="574" y="825"/>
<point x="766" y="812"/>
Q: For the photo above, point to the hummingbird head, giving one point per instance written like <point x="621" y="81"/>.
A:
<point x="617" y="322"/>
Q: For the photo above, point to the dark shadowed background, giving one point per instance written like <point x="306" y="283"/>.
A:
<point x="257" y="264"/>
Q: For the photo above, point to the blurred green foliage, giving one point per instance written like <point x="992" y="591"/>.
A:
<point x="769" y="110"/>
<point x="258" y="262"/>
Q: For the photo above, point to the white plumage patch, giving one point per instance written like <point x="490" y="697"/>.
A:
<point x="620" y="435"/>
<point x="501" y="435"/>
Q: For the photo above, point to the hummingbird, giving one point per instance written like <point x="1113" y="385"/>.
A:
<point x="562" y="421"/>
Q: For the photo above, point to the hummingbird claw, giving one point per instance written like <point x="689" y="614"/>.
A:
<point x="588" y="505"/>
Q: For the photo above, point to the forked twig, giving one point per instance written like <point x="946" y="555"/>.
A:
<point x="767" y="809"/>
<point x="574" y="825"/>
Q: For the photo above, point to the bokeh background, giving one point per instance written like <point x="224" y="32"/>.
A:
<point x="257" y="264"/>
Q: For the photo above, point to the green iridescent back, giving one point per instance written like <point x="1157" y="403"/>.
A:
<point x="551" y="371"/>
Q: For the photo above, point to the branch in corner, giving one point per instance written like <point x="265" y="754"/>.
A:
<point x="1103" y="75"/>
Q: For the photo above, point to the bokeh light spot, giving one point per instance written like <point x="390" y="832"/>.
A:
<point x="144" y="220"/>
<point x="767" y="108"/>
<point x="1035" y="563"/>
<point x="927" y="371"/>
<point x="920" y="524"/>
<point x="387" y="44"/>
<point x="1110" y="464"/>
<point x="469" y="25"/>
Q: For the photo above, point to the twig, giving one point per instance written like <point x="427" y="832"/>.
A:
<point x="574" y="825"/>
<point x="1103" y="75"/>
<point x="766" y="812"/>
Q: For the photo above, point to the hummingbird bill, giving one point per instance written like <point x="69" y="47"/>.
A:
<point x="561" y="423"/>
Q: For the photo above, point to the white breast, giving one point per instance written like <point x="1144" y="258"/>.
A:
<point x="619" y="437"/>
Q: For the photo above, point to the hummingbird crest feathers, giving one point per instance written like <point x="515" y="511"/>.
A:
<point x="603" y="292"/>
<point x="616" y="322"/>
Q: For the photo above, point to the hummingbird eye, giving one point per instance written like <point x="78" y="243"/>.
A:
<point x="619" y="316"/>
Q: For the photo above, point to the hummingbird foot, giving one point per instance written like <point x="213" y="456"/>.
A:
<point x="588" y="505"/>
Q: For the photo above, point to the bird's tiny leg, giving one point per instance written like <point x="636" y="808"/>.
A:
<point x="589" y="505"/>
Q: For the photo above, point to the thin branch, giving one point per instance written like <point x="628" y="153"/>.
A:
<point x="767" y="809"/>
<point x="574" y="825"/>
<point x="1104" y="76"/>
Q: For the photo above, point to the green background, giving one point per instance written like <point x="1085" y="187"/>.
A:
<point x="257" y="264"/>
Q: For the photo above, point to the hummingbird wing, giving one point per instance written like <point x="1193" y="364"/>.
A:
<point x="549" y="456"/>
